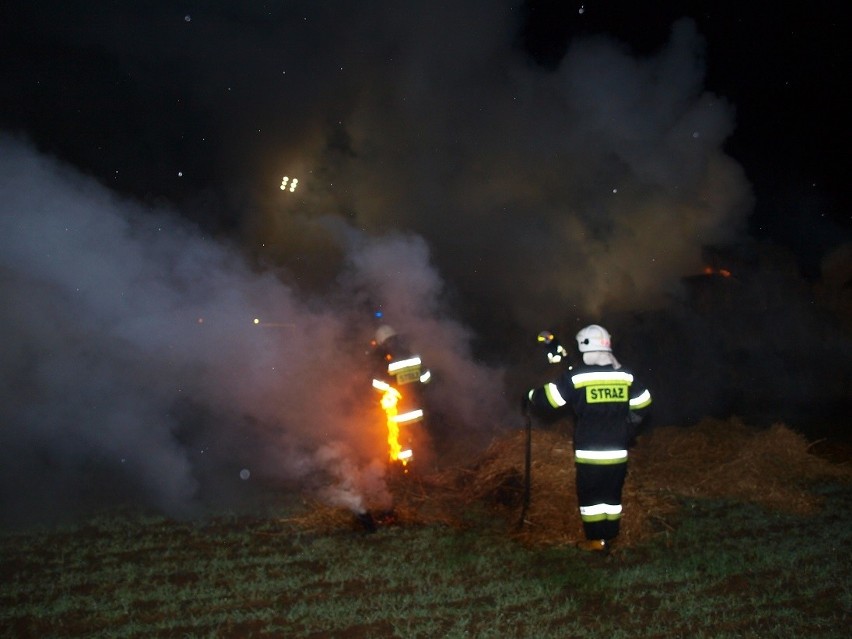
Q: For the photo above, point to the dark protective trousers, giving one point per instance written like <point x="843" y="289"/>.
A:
<point x="599" y="494"/>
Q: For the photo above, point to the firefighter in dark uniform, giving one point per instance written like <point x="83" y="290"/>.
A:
<point x="609" y="403"/>
<point x="399" y="369"/>
<point x="397" y="375"/>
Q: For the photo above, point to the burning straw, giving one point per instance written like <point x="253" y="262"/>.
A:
<point x="713" y="459"/>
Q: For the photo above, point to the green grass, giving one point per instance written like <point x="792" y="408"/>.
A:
<point x="726" y="570"/>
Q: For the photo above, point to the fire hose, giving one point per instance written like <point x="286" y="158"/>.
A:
<point x="556" y="353"/>
<point x="525" y="500"/>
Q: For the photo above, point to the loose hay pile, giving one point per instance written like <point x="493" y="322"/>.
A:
<point x="714" y="459"/>
<point x="717" y="459"/>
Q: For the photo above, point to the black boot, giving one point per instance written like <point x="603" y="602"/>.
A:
<point x="366" y="520"/>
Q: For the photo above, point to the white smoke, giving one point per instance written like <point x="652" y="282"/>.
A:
<point x="144" y="361"/>
<point x="358" y="488"/>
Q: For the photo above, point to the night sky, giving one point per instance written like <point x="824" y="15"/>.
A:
<point x="478" y="170"/>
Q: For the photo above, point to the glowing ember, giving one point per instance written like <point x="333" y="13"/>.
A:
<point x="709" y="270"/>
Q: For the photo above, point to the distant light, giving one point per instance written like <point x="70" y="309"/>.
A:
<point x="292" y="183"/>
<point x="378" y="314"/>
<point x="257" y="320"/>
<point x="187" y="18"/>
<point x="180" y="173"/>
<point x="245" y="474"/>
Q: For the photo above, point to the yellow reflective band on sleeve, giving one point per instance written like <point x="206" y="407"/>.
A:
<point x="600" y="457"/>
<point x="600" y="512"/>
<point x="400" y="365"/>
<point x="426" y="377"/>
<point x="386" y="388"/>
<point x="409" y="417"/>
<point x="584" y="379"/>
<point x="641" y="401"/>
<point x="554" y="397"/>
<point x="380" y="385"/>
<point x="405" y="370"/>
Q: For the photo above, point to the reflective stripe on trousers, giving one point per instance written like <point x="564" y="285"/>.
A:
<point x="600" y="512"/>
<point x="600" y="457"/>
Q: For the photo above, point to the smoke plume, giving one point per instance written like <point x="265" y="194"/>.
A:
<point x="443" y="177"/>
<point x="143" y="360"/>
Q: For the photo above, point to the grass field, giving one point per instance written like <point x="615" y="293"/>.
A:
<point x="724" y="569"/>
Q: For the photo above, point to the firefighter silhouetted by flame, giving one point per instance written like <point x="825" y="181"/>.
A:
<point x="398" y="377"/>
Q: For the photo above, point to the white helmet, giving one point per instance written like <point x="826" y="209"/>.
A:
<point x="594" y="338"/>
<point x="384" y="333"/>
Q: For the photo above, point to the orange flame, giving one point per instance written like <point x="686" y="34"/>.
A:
<point x="389" y="401"/>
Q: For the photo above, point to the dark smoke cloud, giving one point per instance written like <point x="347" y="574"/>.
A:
<point x="588" y="189"/>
